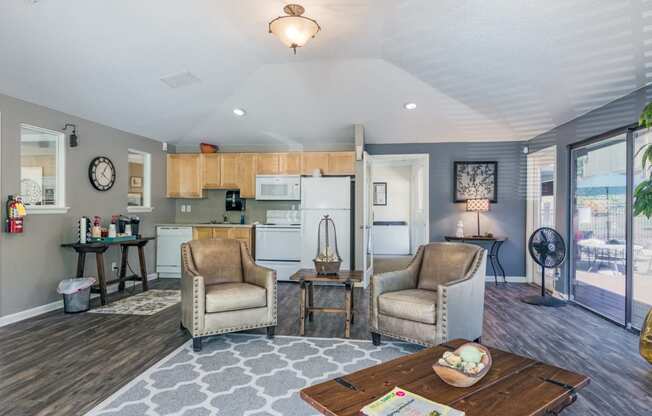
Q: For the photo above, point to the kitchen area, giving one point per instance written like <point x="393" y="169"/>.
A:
<point x="271" y="201"/>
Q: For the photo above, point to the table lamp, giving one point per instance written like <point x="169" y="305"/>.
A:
<point x="477" y="206"/>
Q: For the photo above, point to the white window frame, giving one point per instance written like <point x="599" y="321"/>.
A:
<point x="60" y="206"/>
<point x="147" y="183"/>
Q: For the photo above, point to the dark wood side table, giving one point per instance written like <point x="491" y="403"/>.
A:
<point x="494" y="250"/>
<point x="306" y="278"/>
<point x="99" y="248"/>
<point x="514" y="386"/>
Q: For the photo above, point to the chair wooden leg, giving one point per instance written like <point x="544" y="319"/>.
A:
<point x="270" y="332"/>
<point x="196" y="344"/>
<point x="375" y="338"/>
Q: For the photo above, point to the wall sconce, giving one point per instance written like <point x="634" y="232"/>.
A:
<point x="73" y="136"/>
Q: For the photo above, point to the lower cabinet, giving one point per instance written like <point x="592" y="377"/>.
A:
<point x="245" y="234"/>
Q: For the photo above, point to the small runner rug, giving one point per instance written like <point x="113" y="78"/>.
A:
<point x="144" y="303"/>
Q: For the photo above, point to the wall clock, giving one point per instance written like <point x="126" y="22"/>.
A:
<point x="101" y="173"/>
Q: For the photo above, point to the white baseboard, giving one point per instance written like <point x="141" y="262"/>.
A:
<point x="40" y="310"/>
<point x="510" y="279"/>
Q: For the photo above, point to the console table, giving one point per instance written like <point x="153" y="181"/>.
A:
<point x="306" y="278"/>
<point x="494" y="250"/>
<point x="99" y="248"/>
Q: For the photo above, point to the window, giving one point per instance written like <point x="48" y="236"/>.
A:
<point x="42" y="170"/>
<point x="139" y="197"/>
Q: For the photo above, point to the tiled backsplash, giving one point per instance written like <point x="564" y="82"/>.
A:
<point x="212" y="207"/>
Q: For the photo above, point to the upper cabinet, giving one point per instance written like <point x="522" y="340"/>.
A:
<point x="184" y="176"/>
<point x="247" y="174"/>
<point x="211" y="164"/>
<point x="188" y="174"/>
<point x="341" y="163"/>
<point x="229" y="171"/>
<point x="314" y="160"/>
<point x="289" y="163"/>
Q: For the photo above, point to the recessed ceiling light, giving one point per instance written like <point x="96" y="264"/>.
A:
<point x="239" y="112"/>
<point x="410" y="106"/>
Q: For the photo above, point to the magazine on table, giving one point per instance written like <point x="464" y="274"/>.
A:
<point x="399" y="402"/>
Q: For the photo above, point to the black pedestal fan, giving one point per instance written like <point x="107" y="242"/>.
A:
<point x="548" y="250"/>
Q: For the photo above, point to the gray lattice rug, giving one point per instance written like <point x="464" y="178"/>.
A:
<point x="240" y="374"/>
<point x="143" y="303"/>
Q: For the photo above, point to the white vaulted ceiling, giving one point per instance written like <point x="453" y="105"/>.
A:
<point x="477" y="69"/>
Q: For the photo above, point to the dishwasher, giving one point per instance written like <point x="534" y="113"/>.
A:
<point x="168" y="249"/>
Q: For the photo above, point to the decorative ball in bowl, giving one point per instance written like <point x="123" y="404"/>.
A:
<point x="465" y="366"/>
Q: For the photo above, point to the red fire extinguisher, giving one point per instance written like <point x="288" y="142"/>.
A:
<point x="16" y="213"/>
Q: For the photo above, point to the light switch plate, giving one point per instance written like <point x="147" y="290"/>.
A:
<point x="188" y="208"/>
<point x="183" y="208"/>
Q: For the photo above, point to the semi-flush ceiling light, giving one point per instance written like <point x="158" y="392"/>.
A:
<point x="239" y="112"/>
<point x="410" y="106"/>
<point x="294" y="30"/>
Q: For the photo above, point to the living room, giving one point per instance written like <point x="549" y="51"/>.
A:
<point x="263" y="208"/>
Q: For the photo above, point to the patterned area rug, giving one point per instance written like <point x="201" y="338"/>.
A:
<point x="144" y="303"/>
<point x="241" y="374"/>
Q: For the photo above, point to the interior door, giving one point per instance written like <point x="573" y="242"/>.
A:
<point x="367" y="219"/>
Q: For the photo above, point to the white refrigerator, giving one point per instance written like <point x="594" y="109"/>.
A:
<point x="325" y="196"/>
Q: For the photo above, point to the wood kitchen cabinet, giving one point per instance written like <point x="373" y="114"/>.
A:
<point x="314" y="160"/>
<point x="184" y="176"/>
<point x="245" y="234"/>
<point x="247" y="175"/>
<point x="267" y="164"/>
<point x="211" y="170"/>
<point x="289" y="163"/>
<point x="229" y="171"/>
<point x="341" y="163"/>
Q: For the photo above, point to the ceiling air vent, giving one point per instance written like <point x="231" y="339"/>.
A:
<point x="182" y="79"/>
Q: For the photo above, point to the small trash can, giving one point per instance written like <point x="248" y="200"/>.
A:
<point x="76" y="294"/>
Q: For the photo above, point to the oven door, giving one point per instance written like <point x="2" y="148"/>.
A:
<point x="278" y="243"/>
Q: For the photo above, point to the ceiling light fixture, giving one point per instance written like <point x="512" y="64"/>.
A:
<point x="410" y="106"/>
<point x="294" y="30"/>
<point x="239" y="112"/>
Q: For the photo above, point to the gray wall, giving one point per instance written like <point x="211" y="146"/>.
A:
<point x="212" y="207"/>
<point x="32" y="264"/>
<point x="619" y="113"/>
<point x="507" y="217"/>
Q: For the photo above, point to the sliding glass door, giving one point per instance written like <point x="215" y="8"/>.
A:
<point x="641" y="241"/>
<point x="599" y="227"/>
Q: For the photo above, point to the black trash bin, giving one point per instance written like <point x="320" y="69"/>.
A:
<point x="76" y="294"/>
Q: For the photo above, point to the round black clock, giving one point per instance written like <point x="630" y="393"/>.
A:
<point x="101" y="173"/>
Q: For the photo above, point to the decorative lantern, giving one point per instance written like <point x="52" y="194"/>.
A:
<point x="328" y="259"/>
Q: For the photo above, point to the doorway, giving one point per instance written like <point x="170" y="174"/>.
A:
<point x="399" y="208"/>
<point x="541" y="190"/>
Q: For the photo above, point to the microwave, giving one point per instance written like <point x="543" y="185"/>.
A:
<point x="278" y="188"/>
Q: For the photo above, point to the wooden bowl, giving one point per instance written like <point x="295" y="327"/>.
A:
<point x="207" y="148"/>
<point x="458" y="378"/>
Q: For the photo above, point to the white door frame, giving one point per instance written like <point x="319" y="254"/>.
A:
<point x="534" y="161"/>
<point x="423" y="158"/>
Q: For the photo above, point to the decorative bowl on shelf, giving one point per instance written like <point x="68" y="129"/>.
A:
<point x="465" y="366"/>
<point x="207" y="148"/>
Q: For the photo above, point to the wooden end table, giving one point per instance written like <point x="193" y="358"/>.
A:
<point x="306" y="278"/>
<point x="515" y="386"/>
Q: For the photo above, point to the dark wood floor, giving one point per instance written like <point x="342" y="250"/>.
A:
<point x="58" y="364"/>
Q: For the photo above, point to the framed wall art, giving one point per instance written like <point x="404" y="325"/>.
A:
<point x="475" y="180"/>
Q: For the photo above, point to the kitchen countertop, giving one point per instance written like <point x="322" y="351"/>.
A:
<point x="199" y="225"/>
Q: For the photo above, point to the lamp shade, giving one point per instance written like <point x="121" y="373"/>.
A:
<point x="477" y="205"/>
<point x="294" y="30"/>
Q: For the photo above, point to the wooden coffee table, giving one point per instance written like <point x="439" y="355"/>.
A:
<point x="515" y="385"/>
<point x="306" y="277"/>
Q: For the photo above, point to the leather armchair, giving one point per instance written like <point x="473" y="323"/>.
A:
<point x="438" y="297"/>
<point x="223" y="290"/>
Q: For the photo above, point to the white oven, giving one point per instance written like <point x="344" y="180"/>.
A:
<point x="278" y="243"/>
<point x="278" y="188"/>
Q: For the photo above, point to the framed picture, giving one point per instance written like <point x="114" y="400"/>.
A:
<point x="380" y="193"/>
<point x="136" y="182"/>
<point x="475" y="180"/>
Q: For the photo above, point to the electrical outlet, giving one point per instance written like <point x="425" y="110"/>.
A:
<point x="183" y="208"/>
<point x="114" y="266"/>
